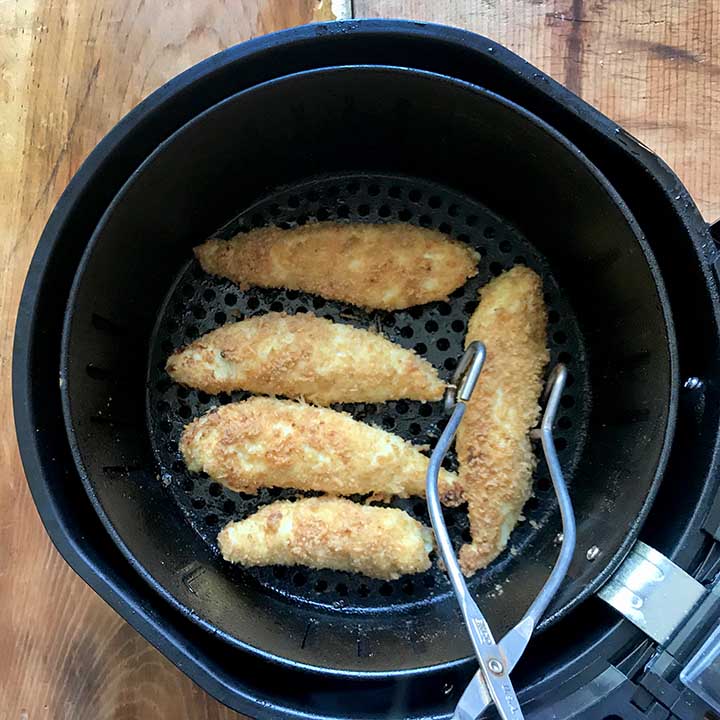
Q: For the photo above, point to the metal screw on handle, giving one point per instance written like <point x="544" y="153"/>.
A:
<point x="496" y="666"/>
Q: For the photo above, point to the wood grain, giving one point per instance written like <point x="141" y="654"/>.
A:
<point x="69" y="69"/>
<point x="653" y="66"/>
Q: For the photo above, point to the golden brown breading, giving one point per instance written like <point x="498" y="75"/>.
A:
<point x="330" y="532"/>
<point x="493" y="445"/>
<point x="387" y="266"/>
<point x="303" y="356"/>
<point x="265" y="442"/>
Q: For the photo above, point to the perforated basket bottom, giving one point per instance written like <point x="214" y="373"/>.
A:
<point x="198" y="303"/>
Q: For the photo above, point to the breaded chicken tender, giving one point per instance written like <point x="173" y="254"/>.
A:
<point x="303" y="356"/>
<point x="265" y="442"/>
<point x="386" y="266"/>
<point x="330" y="532"/>
<point x="493" y="444"/>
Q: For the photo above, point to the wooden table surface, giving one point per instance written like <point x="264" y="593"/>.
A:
<point x="69" y="69"/>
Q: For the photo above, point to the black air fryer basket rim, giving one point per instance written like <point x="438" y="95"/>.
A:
<point x="36" y="405"/>
<point x="610" y="564"/>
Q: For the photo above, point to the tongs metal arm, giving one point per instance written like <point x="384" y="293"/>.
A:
<point x="553" y="394"/>
<point x="467" y="373"/>
<point x="493" y="666"/>
<point x="492" y="683"/>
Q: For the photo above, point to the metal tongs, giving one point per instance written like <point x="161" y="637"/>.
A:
<point x="491" y="683"/>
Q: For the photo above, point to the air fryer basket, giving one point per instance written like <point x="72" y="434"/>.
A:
<point x="375" y="122"/>
<point x="198" y="303"/>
